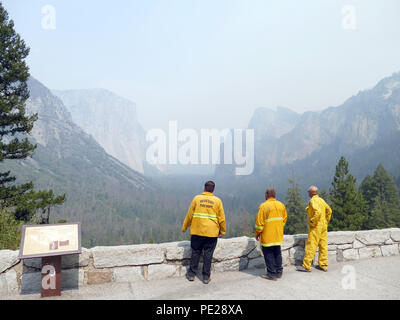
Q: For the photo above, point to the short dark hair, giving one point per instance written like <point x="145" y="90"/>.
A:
<point x="209" y="186"/>
<point x="271" y="192"/>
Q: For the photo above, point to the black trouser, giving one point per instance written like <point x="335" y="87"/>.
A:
<point x="199" y="244"/>
<point x="273" y="260"/>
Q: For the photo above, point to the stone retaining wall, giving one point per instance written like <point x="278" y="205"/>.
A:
<point x="146" y="262"/>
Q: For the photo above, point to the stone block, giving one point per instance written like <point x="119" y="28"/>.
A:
<point x="332" y="257"/>
<point x="345" y="246"/>
<point x="390" y="250"/>
<point x="341" y="237"/>
<point x="339" y="256"/>
<point x="350" y="254"/>
<point x="369" y="252"/>
<point x="257" y="263"/>
<point x="76" y="260"/>
<point x="373" y="237"/>
<point x="357" y="244"/>
<point x="8" y="283"/>
<point x="296" y="255"/>
<point x="98" y="277"/>
<point x="128" y="274"/>
<point x="256" y="252"/>
<point x="72" y="278"/>
<point x="288" y="242"/>
<point x="8" y="259"/>
<point x="162" y="271"/>
<point x="285" y="258"/>
<point x="33" y="263"/>
<point x="300" y="240"/>
<point x="231" y="265"/>
<point x="178" y="250"/>
<point x="395" y="234"/>
<point x="134" y="255"/>
<point x="228" y="249"/>
<point x="31" y="282"/>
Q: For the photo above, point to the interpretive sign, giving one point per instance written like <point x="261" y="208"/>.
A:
<point x="50" y="240"/>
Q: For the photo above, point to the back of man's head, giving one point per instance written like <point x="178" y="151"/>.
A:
<point x="270" y="193"/>
<point x="209" y="186"/>
<point x="313" y="190"/>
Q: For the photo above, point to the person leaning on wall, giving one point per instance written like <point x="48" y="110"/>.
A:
<point x="206" y="219"/>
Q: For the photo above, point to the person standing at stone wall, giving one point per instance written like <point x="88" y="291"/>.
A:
<point x="206" y="219"/>
<point x="319" y="215"/>
<point x="270" y="223"/>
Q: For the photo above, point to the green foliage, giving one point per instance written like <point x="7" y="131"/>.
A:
<point x="325" y="195"/>
<point x="382" y="198"/>
<point x="297" y="214"/>
<point x="14" y="92"/>
<point x="37" y="203"/>
<point x="15" y="125"/>
<point x="348" y="205"/>
<point x="10" y="231"/>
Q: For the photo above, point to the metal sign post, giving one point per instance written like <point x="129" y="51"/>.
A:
<point x="51" y="276"/>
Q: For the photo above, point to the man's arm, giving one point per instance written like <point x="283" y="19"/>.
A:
<point x="189" y="216"/>
<point x="259" y="226"/>
<point x="284" y="215"/>
<point x="221" y="220"/>
<point x="328" y="211"/>
<point x="315" y="214"/>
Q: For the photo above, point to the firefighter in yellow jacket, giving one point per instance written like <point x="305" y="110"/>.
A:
<point x="319" y="215"/>
<point x="270" y="222"/>
<point x="206" y="219"/>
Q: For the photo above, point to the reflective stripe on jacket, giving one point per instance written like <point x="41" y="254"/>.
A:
<point x="205" y="216"/>
<point x="270" y="222"/>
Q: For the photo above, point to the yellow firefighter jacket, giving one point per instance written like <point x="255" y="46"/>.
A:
<point x="205" y="216"/>
<point x="319" y="212"/>
<point x="270" y="222"/>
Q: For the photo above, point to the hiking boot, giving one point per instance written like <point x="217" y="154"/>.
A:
<point x="190" y="277"/>
<point x="301" y="268"/>
<point x="321" y="269"/>
<point x="266" y="276"/>
<point x="206" y="280"/>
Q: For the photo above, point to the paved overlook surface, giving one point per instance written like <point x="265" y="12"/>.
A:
<point x="377" y="278"/>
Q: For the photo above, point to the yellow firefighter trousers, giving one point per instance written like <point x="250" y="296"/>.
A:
<point x="317" y="238"/>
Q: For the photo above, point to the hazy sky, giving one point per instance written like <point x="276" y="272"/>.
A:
<point x="209" y="63"/>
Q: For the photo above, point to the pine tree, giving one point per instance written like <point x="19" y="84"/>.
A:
<point x="369" y="194"/>
<point x="297" y="215"/>
<point x="325" y="195"/>
<point x="15" y="124"/>
<point x="348" y="205"/>
<point x="14" y="74"/>
<point x="382" y="197"/>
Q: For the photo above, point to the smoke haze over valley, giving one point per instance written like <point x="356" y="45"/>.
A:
<point x="309" y="83"/>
